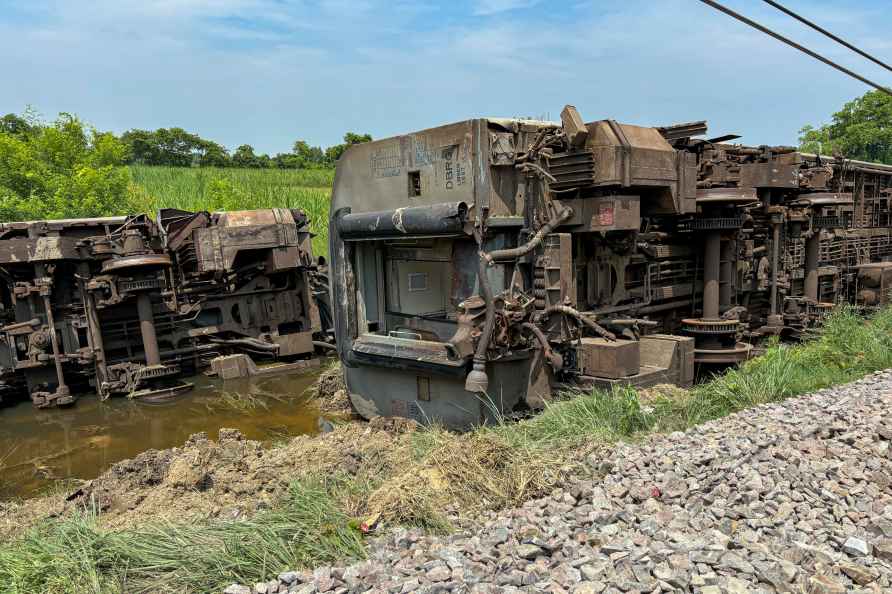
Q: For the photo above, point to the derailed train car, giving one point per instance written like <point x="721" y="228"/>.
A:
<point x="478" y="267"/>
<point x="125" y="305"/>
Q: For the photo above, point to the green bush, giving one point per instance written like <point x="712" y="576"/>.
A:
<point x="62" y="170"/>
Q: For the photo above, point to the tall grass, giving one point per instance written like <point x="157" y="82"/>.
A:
<point x="208" y="188"/>
<point x="75" y="555"/>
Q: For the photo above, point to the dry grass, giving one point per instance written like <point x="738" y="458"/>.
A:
<point x="330" y="391"/>
<point x="465" y="474"/>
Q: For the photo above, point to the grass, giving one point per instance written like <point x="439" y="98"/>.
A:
<point x="848" y="348"/>
<point x="75" y="555"/>
<point x="215" y="189"/>
<point x="250" y="398"/>
<point x="414" y="478"/>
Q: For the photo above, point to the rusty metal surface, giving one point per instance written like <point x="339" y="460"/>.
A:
<point x="125" y="305"/>
<point x="703" y="243"/>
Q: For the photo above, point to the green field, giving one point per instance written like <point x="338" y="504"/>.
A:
<point x="239" y="189"/>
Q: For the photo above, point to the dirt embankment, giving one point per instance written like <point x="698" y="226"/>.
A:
<point x="384" y="469"/>
<point x="388" y="470"/>
<point x="204" y="478"/>
<point x="227" y="478"/>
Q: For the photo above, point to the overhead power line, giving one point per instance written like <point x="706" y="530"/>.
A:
<point x="795" y="45"/>
<point x="820" y="29"/>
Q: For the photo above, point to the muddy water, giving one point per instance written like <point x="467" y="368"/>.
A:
<point x="39" y="447"/>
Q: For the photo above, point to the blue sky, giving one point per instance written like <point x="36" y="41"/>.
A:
<point x="267" y="72"/>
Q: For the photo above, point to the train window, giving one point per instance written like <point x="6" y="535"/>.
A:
<point x="417" y="281"/>
<point x="414" y="184"/>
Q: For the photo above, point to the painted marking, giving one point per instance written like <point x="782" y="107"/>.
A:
<point x="385" y="162"/>
<point x="605" y="215"/>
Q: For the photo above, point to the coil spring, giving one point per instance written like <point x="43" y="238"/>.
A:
<point x="539" y="287"/>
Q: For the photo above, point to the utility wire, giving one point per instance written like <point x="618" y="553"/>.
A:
<point x="795" y="45"/>
<point x="820" y="29"/>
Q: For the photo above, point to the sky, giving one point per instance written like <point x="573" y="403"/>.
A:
<point x="269" y="72"/>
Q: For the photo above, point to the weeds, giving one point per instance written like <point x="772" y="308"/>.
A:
<point x="73" y="555"/>
<point x="243" y="401"/>
<point x="472" y="472"/>
<point x="848" y="348"/>
<point x="581" y="416"/>
<point x="59" y="557"/>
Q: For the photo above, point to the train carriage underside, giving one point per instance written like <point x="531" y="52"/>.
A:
<point x="478" y="267"/>
<point x="126" y="305"/>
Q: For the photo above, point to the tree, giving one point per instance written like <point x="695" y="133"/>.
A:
<point x="60" y="170"/>
<point x="862" y="129"/>
<point x="264" y="161"/>
<point x="173" y="147"/>
<point x="333" y="153"/>
<point x="142" y="147"/>
<point x="287" y="161"/>
<point x="307" y="156"/>
<point x="212" y="154"/>
<point x="244" y="157"/>
<point x="176" y="146"/>
<point x="15" y="125"/>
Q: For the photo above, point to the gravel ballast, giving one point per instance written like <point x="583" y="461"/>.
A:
<point x="787" y="497"/>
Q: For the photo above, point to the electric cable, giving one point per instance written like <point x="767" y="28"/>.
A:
<point x="823" y="31"/>
<point x="795" y="45"/>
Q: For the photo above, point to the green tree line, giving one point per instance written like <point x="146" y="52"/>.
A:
<point x="176" y="147"/>
<point x="66" y="168"/>
<point x="861" y="130"/>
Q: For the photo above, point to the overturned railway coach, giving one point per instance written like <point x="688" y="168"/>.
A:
<point x="479" y="266"/>
<point x="125" y="305"/>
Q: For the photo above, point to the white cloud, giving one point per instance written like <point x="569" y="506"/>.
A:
<point x="269" y="71"/>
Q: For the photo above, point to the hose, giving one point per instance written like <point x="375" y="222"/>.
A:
<point x="557" y="362"/>
<point x="567" y="310"/>
<point x="324" y="345"/>
<point x="522" y="250"/>
<point x="477" y="380"/>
